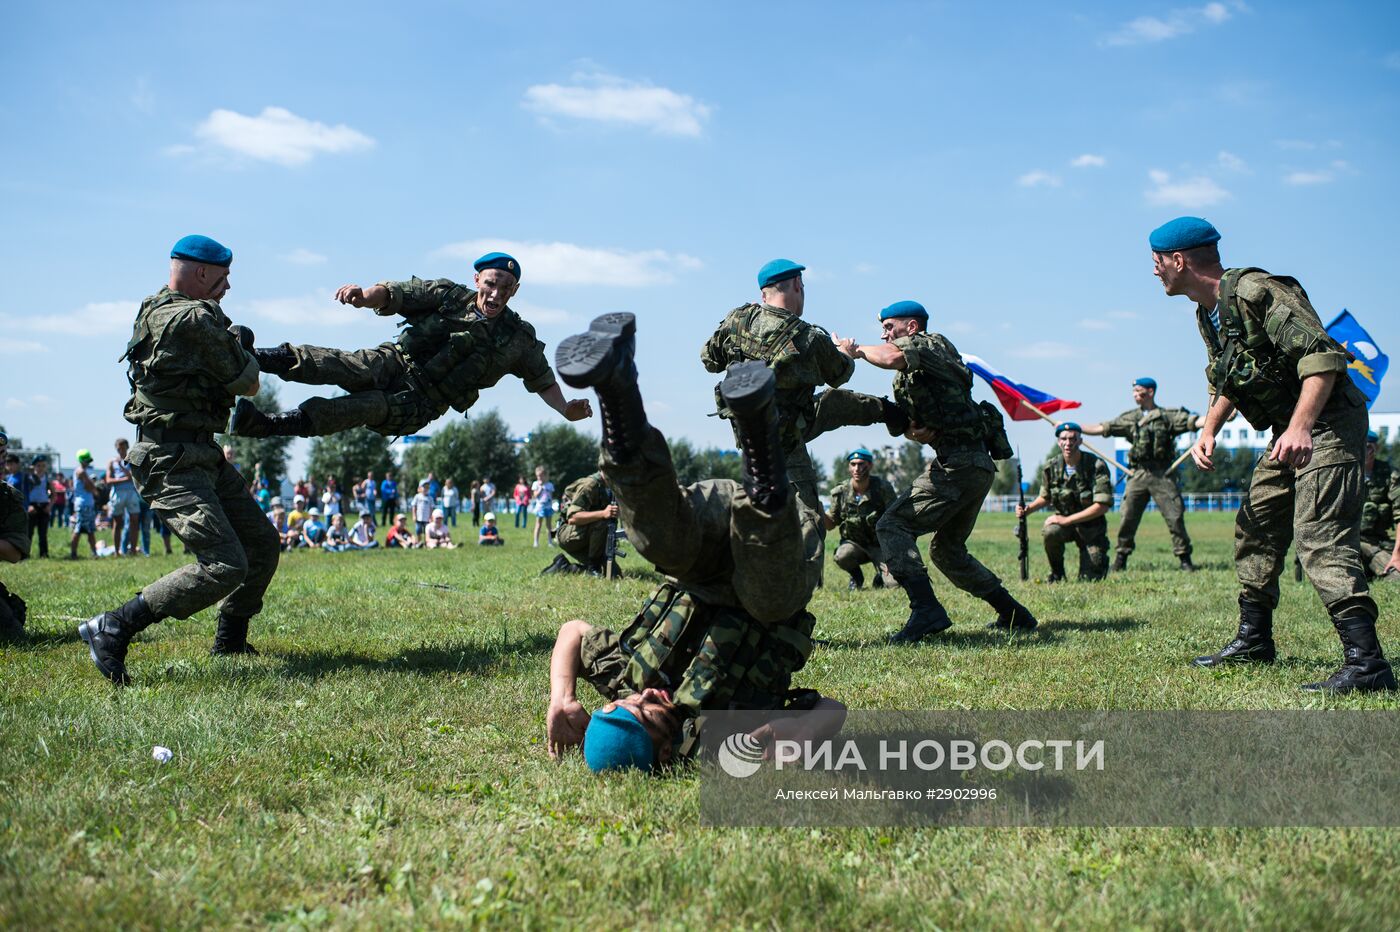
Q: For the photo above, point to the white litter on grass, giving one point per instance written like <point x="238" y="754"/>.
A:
<point x="162" y="755"/>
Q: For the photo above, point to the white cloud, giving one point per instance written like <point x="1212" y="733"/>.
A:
<point x="1095" y="323"/>
<point x="1190" y="193"/>
<point x="300" y="256"/>
<point x="1230" y="161"/>
<point x="10" y="347"/>
<point x="541" y="316"/>
<point x="1318" y="176"/>
<point x="317" y="309"/>
<point x="865" y="268"/>
<point x="607" y="99"/>
<point x="570" y="264"/>
<point x="278" y="135"/>
<point x="40" y="400"/>
<point x="1173" y="23"/>
<point x="99" y="318"/>
<point x="960" y="327"/>
<point x="1088" y="160"/>
<point x="1125" y="315"/>
<point x="1038" y="178"/>
<point x="1045" y="349"/>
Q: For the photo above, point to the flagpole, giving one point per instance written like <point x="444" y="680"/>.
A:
<point x="1112" y="462"/>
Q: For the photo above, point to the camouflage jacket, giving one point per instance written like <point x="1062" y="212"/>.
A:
<point x="587" y="494"/>
<point x="708" y="656"/>
<point x="14" y="520"/>
<point x="935" y="390"/>
<point x="1091" y="484"/>
<point x="1152" y="433"/>
<point x="454" y="350"/>
<point x="1378" y="514"/>
<point x="801" y="355"/>
<point x="1269" y="340"/>
<point x="855" y="515"/>
<point x="185" y="368"/>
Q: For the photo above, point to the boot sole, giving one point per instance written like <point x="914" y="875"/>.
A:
<point x="87" y="631"/>
<point x="1211" y="660"/>
<point x="1376" y="683"/>
<point x="748" y="386"/>
<point x="901" y="638"/>
<point x="586" y="359"/>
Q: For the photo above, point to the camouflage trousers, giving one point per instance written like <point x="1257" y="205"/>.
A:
<point x="382" y="394"/>
<point x="708" y="536"/>
<point x="944" y="502"/>
<point x="1318" y="509"/>
<point x="205" y="502"/>
<point x="851" y="556"/>
<point x="1375" y="557"/>
<point x="1153" y="482"/>
<point x="1092" y="540"/>
<point x="587" y="544"/>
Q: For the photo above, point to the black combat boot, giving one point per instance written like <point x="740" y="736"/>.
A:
<point x="1253" y="643"/>
<point x="276" y="360"/>
<point x="1186" y="565"/>
<point x="602" y="359"/>
<point x="926" y="614"/>
<point x="748" y="390"/>
<point x="1057" y="570"/>
<point x="107" y="636"/>
<point x="231" y="637"/>
<point x="896" y="421"/>
<point x="248" y="421"/>
<point x="1120" y="563"/>
<point x="1364" y="667"/>
<point x="877" y="580"/>
<point x="1011" y="615"/>
<point x="858" y="579"/>
<point x="561" y="564"/>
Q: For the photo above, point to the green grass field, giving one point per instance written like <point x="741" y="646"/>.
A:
<point x="382" y="763"/>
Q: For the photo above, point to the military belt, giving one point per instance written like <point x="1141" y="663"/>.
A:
<point x="172" y="435"/>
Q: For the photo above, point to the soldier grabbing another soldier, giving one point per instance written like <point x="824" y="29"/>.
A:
<point x="454" y="342"/>
<point x="1079" y="489"/>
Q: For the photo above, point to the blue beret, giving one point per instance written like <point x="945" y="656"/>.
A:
<point x="1183" y="233"/>
<point x="498" y="260"/>
<point x="779" y="270"/>
<point x="861" y="453"/>
<point x="1372" y="437"/>
<point x="1067" y="425"/>
<point x="905" y="309"/>
<point x="1145" y="382"/>
<point x="616" y="740"/>
<point x="198" y="248"/>
<point x="4" y="437"/>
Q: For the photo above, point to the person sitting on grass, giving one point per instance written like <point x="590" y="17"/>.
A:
<point x="437" y="536"/>
<point x="362" y="534"/>
<point x="490" y="535"/>
<point x="730" y="626"/>
<point x="313" y="530"/>
<point x="399" y="535"/>
<point x="285" y="532"/>
<point x="337" y="538"/>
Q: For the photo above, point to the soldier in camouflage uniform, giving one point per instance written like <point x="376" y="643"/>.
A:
<point x="730" y="626"/>
<point x="856" y="505"/>
<point x="934" y="388"/>
<point x="588" y="508"/>
<point x="186" y="366"/>
<point x="1152" y="431"/>
<point x="454" y="342"/>
<point x="1380" y="553"/>
<point x="803" y="357"/>
<point x="1270" y="358"/>
<point x="14" y="547"/>
<point x="1079" y="489"/>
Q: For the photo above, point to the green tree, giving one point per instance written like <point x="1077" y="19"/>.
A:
<point x="566" y="452"/>
<point x="693" y="465"/>
<point x="901" y="465"/>
<point x="1232" y="472"/>
<point x="266" y="456"/>
<point x="1005" y="481"/>
<point x="464" y="450"/>
<point x="348" y="455"/>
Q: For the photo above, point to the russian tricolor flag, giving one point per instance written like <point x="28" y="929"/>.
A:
<point x="1013" y="394"/>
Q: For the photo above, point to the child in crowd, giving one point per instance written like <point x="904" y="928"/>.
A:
<point x="422" y="510"/>
<point x="437" y="535"/>
<point x="400" y="535"/>
<point x="362" y="534"/>
<point x="337" y="538"/>
<point x="490" y="536"/>
<point x="313" y="531"/>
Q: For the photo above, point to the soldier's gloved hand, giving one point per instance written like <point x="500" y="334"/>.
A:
<point x="244" y="335"/>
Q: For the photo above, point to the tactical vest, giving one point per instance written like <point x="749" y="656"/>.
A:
<point x="1248" y="369"/>
<point x="777" y="347"/>
<point x="186" y="394"/>
<point x="1071" y="494"/>
<point x="1377" y="517"/>
<point x="1153" y="440"/>
<point x="940" y="397"/>
<point x="858" y="517"/>
<point x="450" y="354"/>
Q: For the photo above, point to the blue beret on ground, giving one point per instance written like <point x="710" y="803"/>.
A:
<point x="1372" y="437"/>
<point x="1181" y="234"/>
<point x="498" y="260"/>
<point x="616" y="740"/>
<point x="1067" y="425"/>
<point x="198" y="248"/>
<point x="905" y="309"/>
<point x="779" y="270"/>
<point x="1145" y="382"/>
<point x="861" y="453"/>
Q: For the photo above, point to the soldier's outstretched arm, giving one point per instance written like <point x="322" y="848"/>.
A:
<point x="823" y="720"/>
<point x="1221" y="410"/>
<point x="574" y="409"/>
<point x="1093" y="430"/>
<point x="567" y="719"/>
<point x="883" y="355"/>
<point x="375" y="296"/>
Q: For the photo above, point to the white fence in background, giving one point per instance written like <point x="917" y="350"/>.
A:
<point x="1195" y="501"/>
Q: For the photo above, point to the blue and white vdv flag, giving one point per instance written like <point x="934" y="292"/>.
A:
<point x="1370" y="364"/>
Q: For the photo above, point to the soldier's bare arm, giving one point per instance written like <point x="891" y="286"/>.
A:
<point x="1093" y="430"/>
<point x="1097" y="509"/>
<point x="884" y="355"/>
<point x="567" y="719"/>
<point x="375" y="296"/>
<point x="1221" y="410"/>
<point x="576" y="409"/>
<point x="823" y="721"/>
<point x="1294" y="446"/>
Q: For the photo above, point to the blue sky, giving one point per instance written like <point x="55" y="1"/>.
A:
<point x="1000" y="163"/>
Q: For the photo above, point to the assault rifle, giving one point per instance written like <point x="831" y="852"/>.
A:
<point x="615" y="534"/>
<point x="1025" y="554"/>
